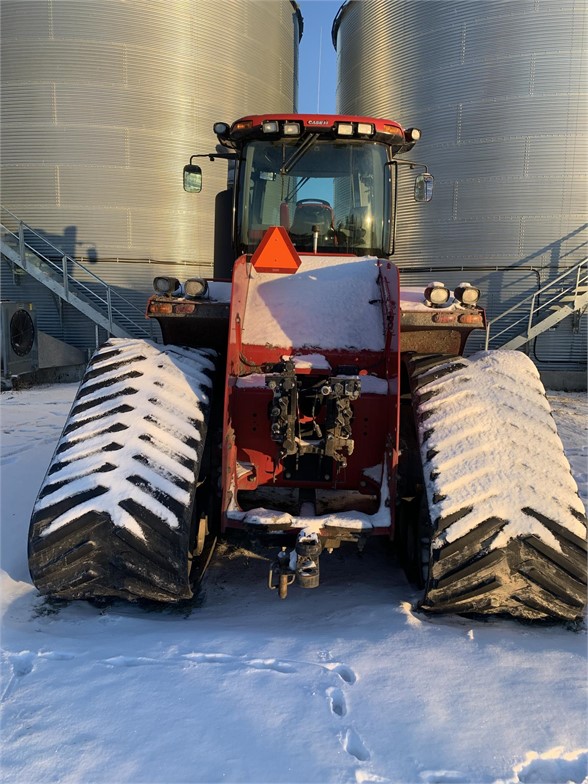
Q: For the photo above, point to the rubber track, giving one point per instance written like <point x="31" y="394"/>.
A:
<point x="114" y="512"/>
<point x="508" y="534"/>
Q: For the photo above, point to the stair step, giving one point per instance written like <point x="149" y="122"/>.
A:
<point x="569" y="302"/>
<point x="571" y="297"/>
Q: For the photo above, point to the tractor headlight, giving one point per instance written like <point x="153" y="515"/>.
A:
<point x="365" y="129"/>
<point x="467" y="294"/>
<point x="291" y="129"/>
<point x="436" y="294"/>
<point x="345" y="129"/>
<point x="412" y="134"/>
<point x="221" y="128"/>
<point x="270" y="126"/>
<point x="165" y="285"/>
<point x="196" y="287"/>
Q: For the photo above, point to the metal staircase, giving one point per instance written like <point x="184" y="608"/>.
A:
<point x="566" y="295"/>
<point x="70" y="280"/>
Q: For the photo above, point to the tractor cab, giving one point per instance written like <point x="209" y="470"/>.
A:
<point x="330" y="185"/>
<point x="330" y="181"/>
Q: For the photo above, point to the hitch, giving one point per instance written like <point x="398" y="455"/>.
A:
<point x="280" y="575"/>
<point x="308" y="550"/>
<point x="301" y="564"/>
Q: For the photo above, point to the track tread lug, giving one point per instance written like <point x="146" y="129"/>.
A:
<point x="484" y="571"/>
<point x="82" y="546"/>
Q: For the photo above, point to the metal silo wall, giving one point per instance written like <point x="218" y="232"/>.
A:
<point x="499" y="91"/>
<point x="103" y="102"/>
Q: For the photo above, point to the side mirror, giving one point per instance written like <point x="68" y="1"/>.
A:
<point x="192" y="178"/>
<point x="423" y="187"/>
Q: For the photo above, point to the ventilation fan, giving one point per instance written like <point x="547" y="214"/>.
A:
<point x="19" y="341"/>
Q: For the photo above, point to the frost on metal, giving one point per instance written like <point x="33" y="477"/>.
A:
<point x="490" y="449"/>
<point x="132" y="438"/>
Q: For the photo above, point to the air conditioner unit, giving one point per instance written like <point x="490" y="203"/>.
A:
<point x="18" y="339"/>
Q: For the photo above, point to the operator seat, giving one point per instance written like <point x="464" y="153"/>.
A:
<point x="309" y="213"/>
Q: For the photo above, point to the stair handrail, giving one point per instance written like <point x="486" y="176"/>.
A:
<point x="65" y="259"/>
<point x="533" y="297"/>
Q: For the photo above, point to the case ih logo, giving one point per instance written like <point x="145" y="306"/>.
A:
<point x="318" y="122"/>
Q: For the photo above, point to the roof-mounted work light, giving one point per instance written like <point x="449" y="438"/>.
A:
<point x="291" y="129"/>
<point x="365" y="129"/>
<point x="221" y="128"/>
<point x="270" y="126"/>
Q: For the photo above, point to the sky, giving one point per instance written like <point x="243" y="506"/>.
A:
<point x="318" y="59"/>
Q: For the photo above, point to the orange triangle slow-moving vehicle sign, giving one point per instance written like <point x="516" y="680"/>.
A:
<point x="275" y="252"/>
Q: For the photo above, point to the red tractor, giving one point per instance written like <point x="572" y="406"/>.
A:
<point x="314" y="402"/>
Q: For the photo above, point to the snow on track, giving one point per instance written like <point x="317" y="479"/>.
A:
<point x="509" y="409"/>
<point x="114" y="515"/>
<point x="101" y="432"/>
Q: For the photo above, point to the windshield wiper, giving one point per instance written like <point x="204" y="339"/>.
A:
<point x="301" y="184"/>
<point x="299" y="152"/>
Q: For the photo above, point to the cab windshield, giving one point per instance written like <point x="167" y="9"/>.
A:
<point x="336" y="190"/>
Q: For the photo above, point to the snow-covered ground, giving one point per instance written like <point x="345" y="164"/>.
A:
<point x="342" y="684"/>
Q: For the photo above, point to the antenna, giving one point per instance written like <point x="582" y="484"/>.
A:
<point x="318" y="87"/>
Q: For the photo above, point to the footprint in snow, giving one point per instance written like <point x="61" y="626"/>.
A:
<point x="354" y="745"/>
<point x="343" y="671"/>
<point x="350" y="739"/>
<point x="337" y="701"/>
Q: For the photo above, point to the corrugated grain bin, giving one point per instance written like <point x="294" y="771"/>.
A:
<point x="499" y="92"/>
<point x="104" y="102"/>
